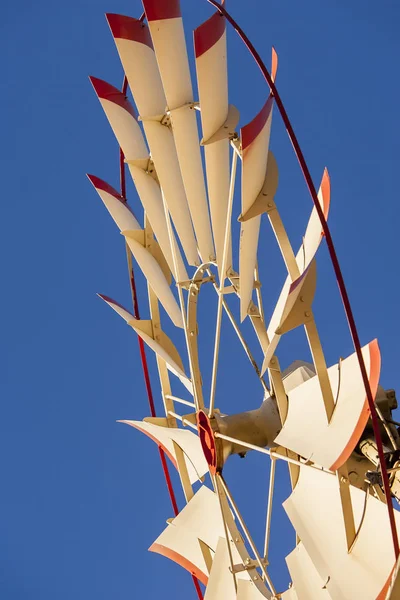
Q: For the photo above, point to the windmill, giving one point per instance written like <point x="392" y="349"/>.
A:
<point x="332" y="425"/>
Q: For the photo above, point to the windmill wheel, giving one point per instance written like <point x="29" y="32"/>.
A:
<point x="331" y="425"/>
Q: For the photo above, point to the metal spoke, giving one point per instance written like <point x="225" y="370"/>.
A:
<point x="222" y="276"/>
<point x="247" y="533"/>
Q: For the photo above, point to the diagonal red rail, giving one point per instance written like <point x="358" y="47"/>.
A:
<point x="335" y="262"/>
<point x="142" y="350"/>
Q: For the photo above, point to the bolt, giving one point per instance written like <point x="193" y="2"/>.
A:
<point x="301" y="298"/>
<point x="344" y="480"/>
<point x="270" y="205"/>
<point x="247" y="561"/>
<point x="307" y="313"/>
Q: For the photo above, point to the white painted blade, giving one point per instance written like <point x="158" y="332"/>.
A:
<point x="166" y="30"/>
<point x="184" y="127"/>
<point x="135" y="48"/>
<point x="313" y="235"/>
<point x="212" y="82"/>
<point x="305" y="577"/>
<point x="246" y="590"/>
<point x="156" y="278"/>
<point x="186" y="440"/>
<point x="172" y="364"/>
<point x="115" y="204"/>
<point x="121" y="116"/>
<point x="306" y="430"/>
<point x="315" y="511"/>
<point x="255" y="145"/>
<point x="221" y="582"/>
<point x="291" y="594"/>
<point x="201" y="520"/>
<point x="150" y="195"/>
<point x="308" y="249"/>
<point x="163" y="152"/>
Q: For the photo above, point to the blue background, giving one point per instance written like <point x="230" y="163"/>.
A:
<point x="83" y="497"/>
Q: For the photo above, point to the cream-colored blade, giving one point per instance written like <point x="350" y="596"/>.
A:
<point x="305" y="577"/>
<point x="133" y="41"/>
<point x="163" y="346"/>
<point x="221" y="583"/>
<point x="305" y="255"/>
<point x="306" y="430"/>
<point x="155" y="277"/>
<point x="200" y="520"/>
<point x="168" y="39"/>
<point x="292" y="309"/>
<point x="255" y="144"/>
<point x="150" y="194"/>
<point x="115" y="204"/>
<point x="186" y="440"/>
<point x="315" y="510"/>
<point x="246" y="590"/>
<point x="212" y="82"/>
<point x="121" y="116"/>
<point x="291" y="594"/>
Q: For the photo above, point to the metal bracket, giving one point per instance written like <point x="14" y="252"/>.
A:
<point x="228" y="129"/>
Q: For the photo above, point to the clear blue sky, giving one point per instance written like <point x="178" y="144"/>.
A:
<point x="83" y="497"/>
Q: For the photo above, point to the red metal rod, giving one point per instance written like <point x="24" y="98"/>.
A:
<point x="143" y="351"/>
<point x="334" y="259"/>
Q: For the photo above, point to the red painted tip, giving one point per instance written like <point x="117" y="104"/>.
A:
<point x="106" y="91"/>
<point x="326" y="192"/>
<point x="113" y="302"/>
<point x="274" y="64"/>
<point x="208" y="33"/>
<point x="250" y="131"/>
<point x="128" y="28"/>
<point x="158" y="10"/>
<point x="99" y="184"/>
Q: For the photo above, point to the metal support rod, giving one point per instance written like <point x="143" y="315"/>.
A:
<point x="269" y="507"/>
<point x="387" y="429"/>
<point x="182" y="420"/>
<point x="180" y="295"/>
<point x="247" y="533"/>
<point x="334" y="259"/>
<point x="227" y="533"/>
<point x="270" y="453"/>
<point x="222" y="277"/>
<point x="242" y="340"/>
<point x="180" y="400"/>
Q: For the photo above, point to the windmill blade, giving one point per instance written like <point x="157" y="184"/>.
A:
<point x="306" y="430"/>
<point x="212" y="83"/>
<point x="163" y="346"/>
<point x="150" y="194"/>
<point x="147" y="188"/>
<point x="246" y="590"/>
<point x="292" y="309"/>
<point x="186" y="440"/>
<point x="121" y="116"/>
<point x="291" y="594"/>
<point x="180" y="540"/>
<point x="307" y="582"/>
<point x="311" y="241"/>
<point x="221" y="583"/>
<point x="168" y="39"/>
<point x="115" y="204"/>
<point x="155" y="276"/>
<point x="315" y="510"/>
<point x="255" y="144"/>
